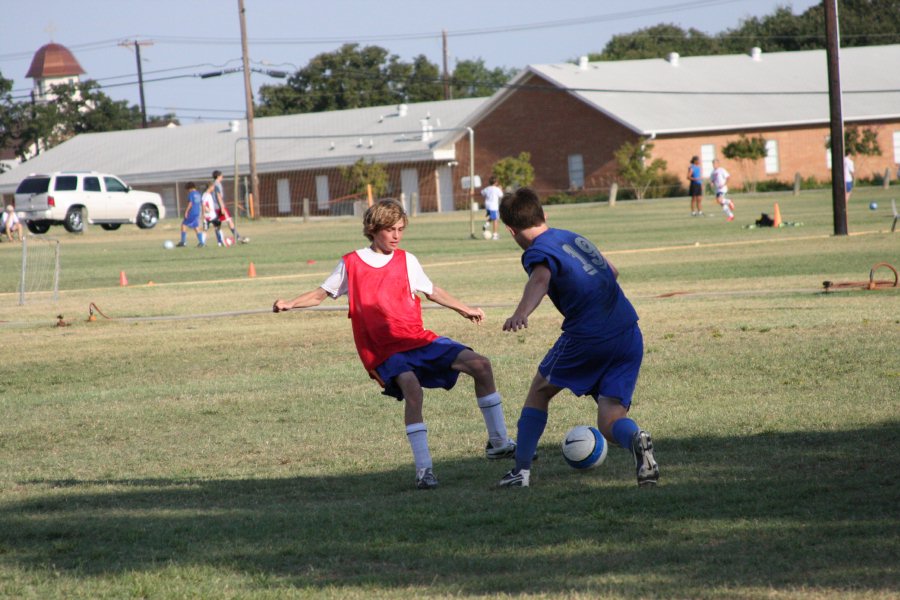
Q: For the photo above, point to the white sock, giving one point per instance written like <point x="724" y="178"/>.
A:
<point x="417" y="434"/>
<point x="492" y="411"/>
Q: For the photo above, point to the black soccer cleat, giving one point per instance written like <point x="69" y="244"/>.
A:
<point x="645" y="463"/>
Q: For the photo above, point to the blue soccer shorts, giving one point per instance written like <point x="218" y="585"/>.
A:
<point x="592" y="367"/>
<point x="430" y="364"/>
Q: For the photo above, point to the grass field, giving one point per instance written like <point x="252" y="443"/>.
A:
<point x="169" y="453"/>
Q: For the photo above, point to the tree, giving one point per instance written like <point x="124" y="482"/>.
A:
<point x="861" y="142"/>
<point x="747" y="151"/>
<point x="76" y="108"/>
<point x="361" y="174"/>
<point x="514" y="172"/>
<point x="472" y="79"/>
<point x="352" y="77"/>
<point x="656" y="42"/>
<point x="8" y="117"/>
<point x="634" y="170"/>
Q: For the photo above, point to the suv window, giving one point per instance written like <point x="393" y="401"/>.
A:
<point x="91" y="184"/>
<point x="34" y="185"/>
<point x="66" y="183"/>
<point x="114" y="185"/>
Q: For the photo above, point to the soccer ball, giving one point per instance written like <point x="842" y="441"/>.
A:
<point x="873" y="206"/>
<point x="486" y="234"/>
<point x="584" y="447"/>
<point x="229" y="241"/>
<point x="168" y="244"/>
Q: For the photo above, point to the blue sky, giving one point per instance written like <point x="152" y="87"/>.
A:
<point x="190" y="37"/>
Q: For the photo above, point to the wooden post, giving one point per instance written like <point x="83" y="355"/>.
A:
<point x="413" y="204"/>
<point x="369" y="193"/>
<point x="886" y="183"/>
<point x="797" y="180"/>
<point x="306" y="210"/>
<point x="613" y="192"/>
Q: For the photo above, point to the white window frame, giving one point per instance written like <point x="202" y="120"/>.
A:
<point x="897" y="147"/>
<point x="707" y="156"/>
<point x="576" y="172"/>
<point x="772" y="162"/>
<point x="322" y="198"/>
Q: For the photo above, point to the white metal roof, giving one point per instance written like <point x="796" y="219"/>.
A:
<point x="728" y="92"/>
<point x="164" y="154"/>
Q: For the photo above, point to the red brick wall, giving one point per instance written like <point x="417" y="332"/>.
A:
<point x="550" y="125"/>
<point x="800" y="150"/>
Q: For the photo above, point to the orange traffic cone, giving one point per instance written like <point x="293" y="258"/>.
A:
<point x="123" y="281"/>
<point x="251" y="272"/>
<point x="777" y="219"/>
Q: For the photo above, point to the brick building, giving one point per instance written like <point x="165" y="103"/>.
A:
<point x="572" y="117"/>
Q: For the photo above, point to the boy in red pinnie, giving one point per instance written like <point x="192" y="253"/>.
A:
<point x="381" y="282"/>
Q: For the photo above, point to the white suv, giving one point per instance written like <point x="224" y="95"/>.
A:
<point x="74" y="198"/>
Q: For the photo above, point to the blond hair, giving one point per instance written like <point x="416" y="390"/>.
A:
<point x="382" y="215"/>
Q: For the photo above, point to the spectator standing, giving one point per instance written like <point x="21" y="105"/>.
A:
<point x="695" y="176"/>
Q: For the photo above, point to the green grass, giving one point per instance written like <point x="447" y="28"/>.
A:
<point x="251" y="457"/>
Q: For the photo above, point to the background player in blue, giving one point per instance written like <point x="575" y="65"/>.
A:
<point x="600" y="350"/>
<point x="192" y="217"/>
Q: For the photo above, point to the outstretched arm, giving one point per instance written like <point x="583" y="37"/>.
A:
<point x="442" y="297"/>
<point x="535" y="290"/>
<point x="310" y="298"/>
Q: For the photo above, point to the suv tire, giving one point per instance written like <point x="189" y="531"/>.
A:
<point x="74" y="222"/>
<point x="147" y="217"/>
<point x="38" y="227"/>
<point x="110" y="226"/>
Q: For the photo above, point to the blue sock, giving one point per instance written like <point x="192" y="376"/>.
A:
<point x="531" y="428"/>
<point x="183" y="237"/>
<point x="624" y="431"/>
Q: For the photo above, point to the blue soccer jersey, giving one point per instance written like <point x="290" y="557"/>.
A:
<point x="194" y="201"/>
<point x="582" y="286"/>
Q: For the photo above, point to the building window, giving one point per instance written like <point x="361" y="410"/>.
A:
<point x="707" y="156"/>
<point x="576" y="172"/>
<point x="322" y="192"/>
<point x="771" y="156"/>
<point x="897" y="147"/>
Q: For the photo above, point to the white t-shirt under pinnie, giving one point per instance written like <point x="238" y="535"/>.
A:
<point x="336" y="283"/>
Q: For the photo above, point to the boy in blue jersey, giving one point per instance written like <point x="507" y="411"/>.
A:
<point x="600" y="350"/>
<point x="192" y="217"/>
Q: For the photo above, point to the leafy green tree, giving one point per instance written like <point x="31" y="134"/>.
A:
<point x="514" y="172"/>
<point x="633" y="168"/>
<point x="861" y="142"/>
<point x="362" y="174"/>
<point x="655" y="42"/>
<point x="862" y="23"/>
<point x="8" y="115"/>
<point x="472" y="79"/>
<point x="352" y="77"/>
<point x="747" y="151"/>
<point x="77" y="108"/>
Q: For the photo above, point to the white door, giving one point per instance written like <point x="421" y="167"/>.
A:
<point x="445" y="188"/>
<point x="283" y="189"/>
<point x="409" y="185"/>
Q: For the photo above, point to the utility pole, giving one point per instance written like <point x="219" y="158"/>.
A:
<point x="137" y="53"/>
<point x="832" y="53"/>
<point x="248" y="93"/>
<point x="448" y="93"/>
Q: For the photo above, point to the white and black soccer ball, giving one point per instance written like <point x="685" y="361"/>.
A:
<point x="168" y="244"/>
<point x="486" y="234"/>
<point x="584" y="447"/>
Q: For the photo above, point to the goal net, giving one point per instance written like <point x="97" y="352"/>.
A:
<point x="40" y="267"/>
